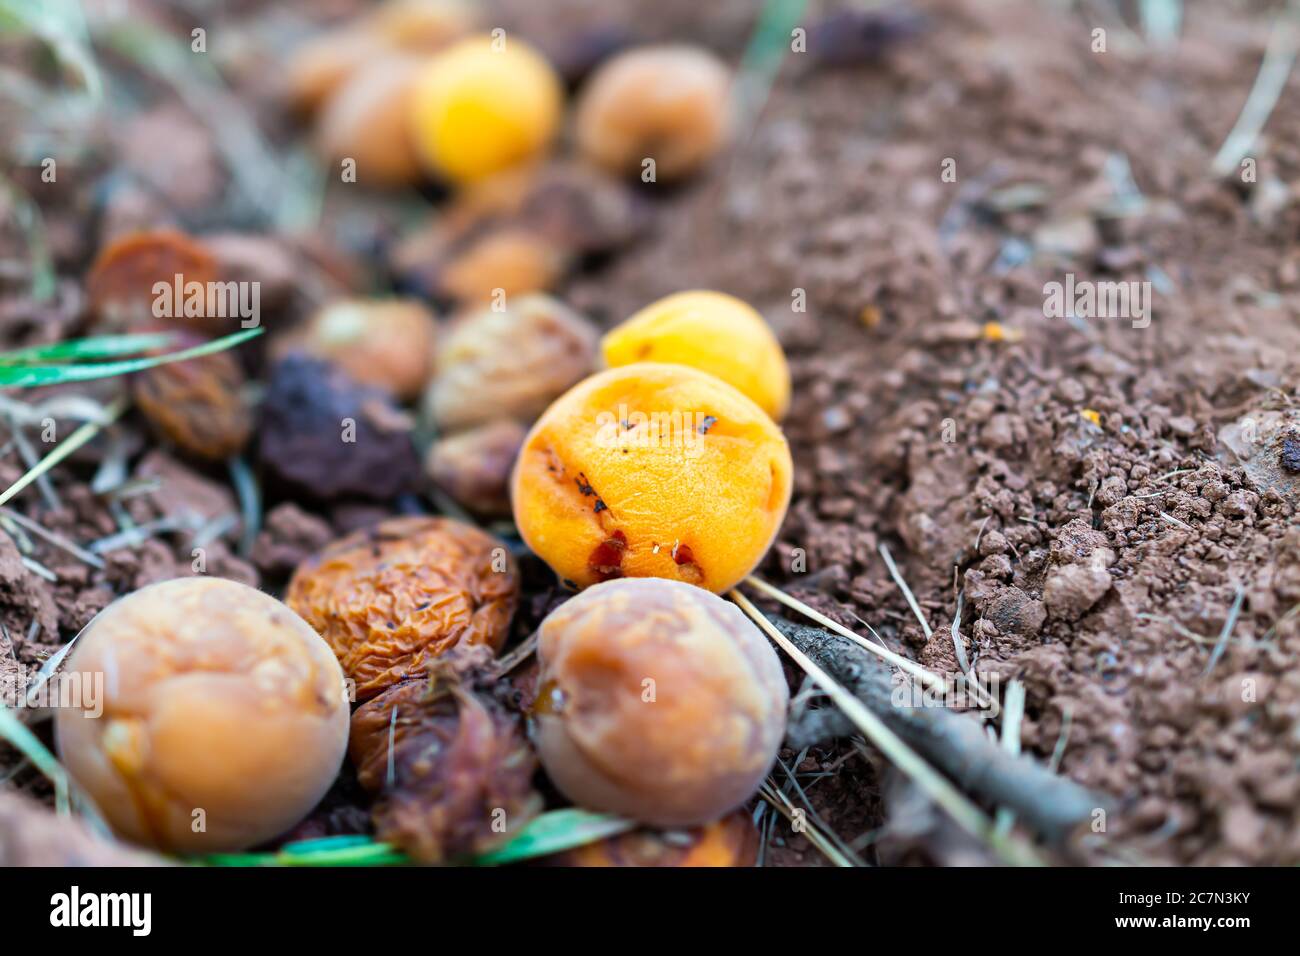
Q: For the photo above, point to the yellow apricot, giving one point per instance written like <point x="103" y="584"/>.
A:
<point x="484" y="105"/>
<point x="366" y="121"/>
<point x="711" y="331"/>
<point x="652" y="470"/>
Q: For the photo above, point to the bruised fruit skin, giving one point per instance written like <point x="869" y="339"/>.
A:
<point x="652" y="470"/>
<point x="711" y="331"/>
<point x="122" y="278"/>
<point x="729" y="842"/>
<point x="657" y="701"/>
<point x="197" y="404"/>
<point x="388" y="343"/>
<point x="666" y="103"/>
<point x="220" y="705"/>
<point x="478" y="110"/>
<point x="390" y="599"/>
<point x="509" y="364"/>
<point x="366" y="121"/>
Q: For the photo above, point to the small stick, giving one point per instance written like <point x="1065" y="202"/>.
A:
<point x="937" y="787"/>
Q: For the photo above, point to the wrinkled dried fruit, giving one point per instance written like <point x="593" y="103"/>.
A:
<point x="474" y="466"/>
<point x="392" y="598"/>
<point x="666" y="103"/>
<point x="657" y="701"/>
<point x="509" y="364"/>
<point x="387" y="343"/>
<point x="198" y="404"/>
<point x="713" y="332"/>
<point x="479" y="109"/>
<point x="461" y="772"/>
<point x="122" y="278"/>
<point x="652" y="470"/>
<point x="366" y="121"/>
<point x="729" y="842"/>
<point x="324" y="436"/>
<point x="504" y="262"/>
<point x="223" y="716"/>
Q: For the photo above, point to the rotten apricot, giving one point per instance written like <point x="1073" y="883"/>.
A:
<point x="122" y="278"/>
<point x="667" y="103"/>
<point x="508" y="363"/>
<point x="652" y="470"/>
<point x="197" y="404"/>
<point x="473" y="466"/>
<point x="484" y="105"/>
<point x="384" y="342"/>
<point x="390" y="599"/>
<point x="657" y="701"/>
<point x="223" y="718"/>
<point x="714" y="332"/>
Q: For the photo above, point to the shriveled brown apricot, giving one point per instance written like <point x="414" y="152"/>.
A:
<point x="652" y="470"/>
<point x="509" y="364"/>
<point x="384" y="342"/>
<point x="391" y="598"/>
<point x="474" y="466"/>
<point x="729" y="842"/>
<point x="452" y="768"/>
<point x="665" y="103"/>
<point x="657" y="701"/>
<point x="198" y="404"/>
<point x="366" y="121"/>
<point x="122" y="279"/>
<point x="223" y="718"/>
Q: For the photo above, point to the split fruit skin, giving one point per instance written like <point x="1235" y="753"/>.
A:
<point x="714" y="332"/>
<point x="479" y="108"/>
<point x="666" y="103"/>
<point x="652" y="470"/>
<point x="657" y="701"/>
<point x="224" y="719"/>
<point x="390" y="599"/>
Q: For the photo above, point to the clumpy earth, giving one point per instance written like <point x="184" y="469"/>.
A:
<point x="1112" y="507"/>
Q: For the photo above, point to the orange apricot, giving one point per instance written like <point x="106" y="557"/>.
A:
<point x="729" y="842"/>
<point x="657" y="701"/>
<point x="384" y="342"/>
<point x="711" y="331"/>
<point x="652" y="470"/>
<point x="366" y="121"/>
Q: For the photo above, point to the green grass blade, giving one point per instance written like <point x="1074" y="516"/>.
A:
<point x="16" y="733"/>
<point x="93" y="347"/>
<point x="553" y="832"/>
<point x="31" y="376"/>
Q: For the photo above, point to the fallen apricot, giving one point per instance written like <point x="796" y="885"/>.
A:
<point x="323" y="64"/>
<point x="474" y="466"/>
<point x="484" y="105"/>
<point x="123" y="276"/>
<point x="665" y="103"/>
<point x="391" y="598"/>
<point x="711" y="331"/>
<point x="657" y="701"/>
<point x="652" y="470"/>
<point x="508" y="261"/>
<point x="197" y="404"/>
<point x="729" y="842"/>
<point x="510" y="363"/>
<point x="366" y="122"/>
<point x="383" y="342"/>
<point x="422" y="25"/>
<point x="223" y="716"/>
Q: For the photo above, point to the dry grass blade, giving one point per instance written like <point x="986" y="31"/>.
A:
<point x="1279" y="58"/>
<point x="65" y="448"/>
<point x="1013" y="712"/>
<point x="928" y="677"/>
<point x="782" y="805"/>
<point x="907" y="592"/>
<point x="1222" y="644"/>
<point x="937" y="787"/>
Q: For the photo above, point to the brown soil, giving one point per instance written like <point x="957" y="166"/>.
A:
<point x="1101" y="495"/>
